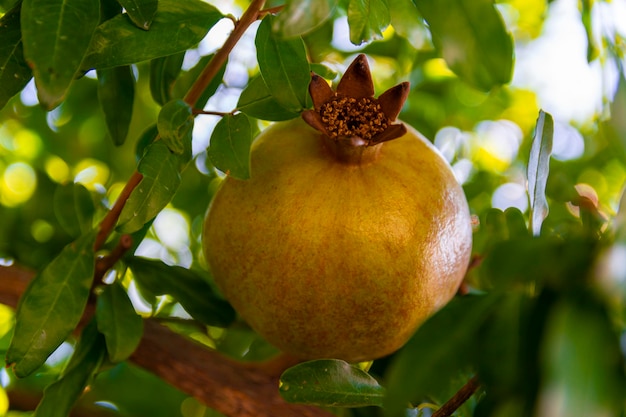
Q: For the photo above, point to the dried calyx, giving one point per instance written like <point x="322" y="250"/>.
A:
<point x="351" y="116"/>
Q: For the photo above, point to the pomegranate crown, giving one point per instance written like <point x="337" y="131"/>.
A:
<point x="352" y="113"/>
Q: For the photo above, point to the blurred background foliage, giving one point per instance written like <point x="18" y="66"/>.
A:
<point x="569" y="62"/>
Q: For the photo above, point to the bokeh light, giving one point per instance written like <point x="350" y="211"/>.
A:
<point x="18" y="184"/>
<point x="510" y="194"/>
<point x="93" y="174"/>
<point x="57" y="169"/>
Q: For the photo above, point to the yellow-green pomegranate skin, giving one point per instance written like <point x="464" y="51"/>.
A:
<point x="327" y="259"/>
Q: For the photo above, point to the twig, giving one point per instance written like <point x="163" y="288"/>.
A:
<point x="109" y="221"/>
<point x="197" y="112"/>
<point x="107" y="262"/>
<point x="213" y="67"/>
<point x="271" y="10"/>
<point x="458" y="399"/>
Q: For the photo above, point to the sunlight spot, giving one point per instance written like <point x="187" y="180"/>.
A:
<point x="140" y="304"/>
<point x="92" y="173"/>
<point x="448" y="140"/>
<point x="41" y="230"/>
<point x="172" y="229"/>
<point x="497" y="144"/>
<point x="463" y="170"/>
<point x="57" y="169"/>
<point x="27" y="143"/>
<point x="28" y="95"/>
<point x="568" y="143"/>
<point x="60" y="355"/>
<point x="508" y="195"/>
<point x="19" y="182"/>
<point x="107" y="404"/>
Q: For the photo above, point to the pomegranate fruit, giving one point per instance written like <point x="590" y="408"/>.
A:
<point x="348" y="235"/>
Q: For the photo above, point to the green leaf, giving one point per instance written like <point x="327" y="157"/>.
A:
<point x="284" y="67"/>
<point x="583" y="369"/>
<point x="144" y="141"/>
<point x="56" y="35"/>
<point x="407" y="22"/>
<point x="161" y="178"/>
<point x="74" y="208"/>
<point x="593" y="51"/>
<point x="163" y="74"/>
<point x="175" y="123"/>
<point x="538" y="169"/>
<point x="141" y="12"/>
<point x="472" y="38"/>
<point x="60" y="396"/>
<point x="302" y="16"/>
<point x="116" y="93"/>
<point x="117" y="320"/>
<point x="229" y="148"/>
<point x="330" y="383"/>
<point x="257" y="101"/>
<point x="188" y="288"/>
<point x="187" y="78"/>
<point x="14" y="71"/>
<point x="439" y="350"/>
<point x="367" y="20"/>
<point x="52" y="306"/>
<point x="323" y="71"/>
<point x="177" y="26"/>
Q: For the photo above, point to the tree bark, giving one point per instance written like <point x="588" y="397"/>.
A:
<point x="230" y="387"/>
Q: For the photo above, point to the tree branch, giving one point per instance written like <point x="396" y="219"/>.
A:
<point x="210" y="71"/>
<point x="230" y="387"/>
<point x="458" y="399"/>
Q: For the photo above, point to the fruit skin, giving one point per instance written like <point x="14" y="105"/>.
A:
<point x="327" y="259"/>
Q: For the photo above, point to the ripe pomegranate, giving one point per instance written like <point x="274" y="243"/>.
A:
<point x="347" y="236"/>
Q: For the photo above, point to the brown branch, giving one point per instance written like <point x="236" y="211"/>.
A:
<point x="458" y="399"/>
<point x="107" y="262"/>
<point x="110" y="220"/>
<point x="232" y="388"/>
<point x="210" y="71"/>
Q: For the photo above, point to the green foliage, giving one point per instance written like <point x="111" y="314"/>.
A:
<point x="330" y="383"/>
<point x="60" y="396"/>
<point x="176" y="27"/>
<point x="51" y="306"/>
<point x="161" y="177"/>
<point x="432" y="358"/>
<point x="368" y="19"/>
<point x="230" y="146"/>
<point x="477" y="29"/>
<point x="541" y="325"/>
<point x="187" y="287"/>
<point x="538" y="169"/>
<point x="257" y="101"/>
<point x="174" y="124"/>
<point x="302" y="16"/>
<point x="116" y="92"/>
<point x="14" y="71"/>
<point x="141" y="12"/>
<point x="283" y="66"/>
<point x="56" y="36"/>
<point x="74" y="208"/>
<point x="118" y="322"/>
